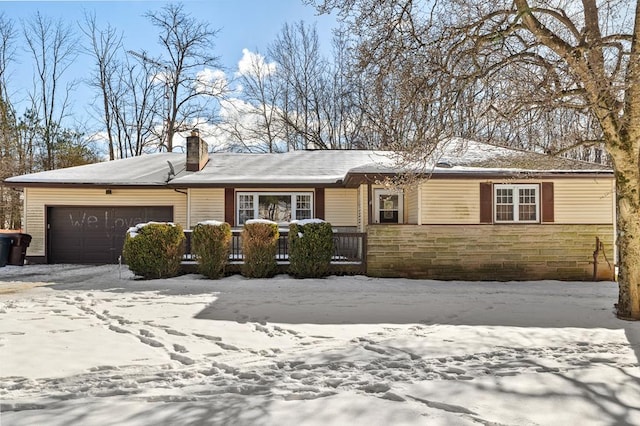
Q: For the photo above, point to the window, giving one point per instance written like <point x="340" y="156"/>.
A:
<point x="517" y="203"/>
<point x="275" y="206"/>
<point x="388" y="206"/>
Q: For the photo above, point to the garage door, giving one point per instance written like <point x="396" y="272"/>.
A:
<point x="95" y="234"/>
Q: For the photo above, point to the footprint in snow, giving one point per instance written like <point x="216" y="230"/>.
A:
<point x="376" y="349"/>
<point x="207" y="337"/>
<point x="117" y="329"/>
<point x="179" y="348"/>
<point x="181" y="359"/>
<point x="227" y="346"/>
<point x="150" y="342"/>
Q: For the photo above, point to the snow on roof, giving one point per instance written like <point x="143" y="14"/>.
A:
<point x="466" y="155"/>
<point x="150" y="169"/>
<point x="294" y="167"/>
<point x="457" y="156"/>
<point x="460" y="156"/>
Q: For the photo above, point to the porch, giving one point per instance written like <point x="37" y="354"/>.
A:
<point x="349" y="252"/>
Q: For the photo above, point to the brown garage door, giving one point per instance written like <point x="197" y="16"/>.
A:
<point x="95" y="235"/>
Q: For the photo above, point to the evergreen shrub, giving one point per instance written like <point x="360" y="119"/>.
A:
<point x="310" y="248"/>
<point x="211" y="243"/>
<point x="259" y="245"/>
<point x="154" y="250"/>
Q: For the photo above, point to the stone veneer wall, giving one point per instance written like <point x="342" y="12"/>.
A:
<point x="488" y="252"/>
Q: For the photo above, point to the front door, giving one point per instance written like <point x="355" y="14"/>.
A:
<point x="388" y="206"/>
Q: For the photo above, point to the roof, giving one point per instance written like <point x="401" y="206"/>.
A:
<point x="144" y="170"/>
<point x="457" y="157"/>
<point x="460" y="156"/>
<point x="322" y="167"/>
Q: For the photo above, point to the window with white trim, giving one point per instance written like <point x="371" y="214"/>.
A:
<point x="388" y="206"/>
<point x="516" y="203"/>
<point x="280" y="207"/>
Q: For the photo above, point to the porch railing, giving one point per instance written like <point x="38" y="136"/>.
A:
<point x="349" y="247"/>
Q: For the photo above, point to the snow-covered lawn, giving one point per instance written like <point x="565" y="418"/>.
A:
<point x="92" y="346"/>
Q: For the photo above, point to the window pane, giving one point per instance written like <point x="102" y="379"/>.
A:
<point x="504" y="212"/>
<point x="303" y="202"/>
<point x="504" y="204"/>
<point x="388" y="202"/>
<point x="527" y="212"/>
<point x="303" y="207"/>
<point x="528" y="196"/>
<point x="275" y="207"/>
<point x="246" y="202"/>
<point x="527" y="207"/>
<point x="504" y="196"/>
<point x="245" y="208"/>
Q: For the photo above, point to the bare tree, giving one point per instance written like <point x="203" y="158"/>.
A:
<point x="296" y="98"/>
<point x="187" y="44"/>
<point x="136" y="102"/>
<point x="10" y="206"/>
<point x="252" y="120"/>
<point x="104" y="45"/>
<point x="53" y="47"/>
<point x="343" y="113"/>
<point x="554" y="55"/>
<point x="302" y="75"/>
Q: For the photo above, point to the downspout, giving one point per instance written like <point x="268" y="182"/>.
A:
<point x="24" y="215"/>
<point x="188" y="194"/>
<point x="188" y="208"/>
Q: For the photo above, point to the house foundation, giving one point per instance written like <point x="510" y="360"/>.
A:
<point x="489" y="252"/>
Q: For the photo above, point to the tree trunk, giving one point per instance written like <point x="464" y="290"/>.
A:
<point x="628" y="222"/>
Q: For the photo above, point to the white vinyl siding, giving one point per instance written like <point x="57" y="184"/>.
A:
<point x="411" y="197"/>
<point x="206" y="204"/>
<point x="341" y="206"/>
<point x="584" y="201"/>
<point x="576" y="200"/>
<point x="450" y="202"/>
<point x="363" y="207"/>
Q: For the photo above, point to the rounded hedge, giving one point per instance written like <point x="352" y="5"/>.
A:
<point x="154" y="250"/>
<point x="211" y="243"/>
<point x="259" y="245"/>
<point x="310" y="249"/>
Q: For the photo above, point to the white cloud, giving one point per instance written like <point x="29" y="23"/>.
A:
<point x="212" y="81"/>
<point x="254" y="64"/>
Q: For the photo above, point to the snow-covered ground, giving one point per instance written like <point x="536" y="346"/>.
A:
<point x="86" y="345"/>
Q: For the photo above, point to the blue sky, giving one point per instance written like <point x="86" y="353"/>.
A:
<point x="250" y="24"/>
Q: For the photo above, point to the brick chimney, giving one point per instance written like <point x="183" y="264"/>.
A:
<point x="197" y="152"/>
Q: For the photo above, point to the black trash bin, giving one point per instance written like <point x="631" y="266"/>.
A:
<point x="5" y="248"/>
<point x="18" y="249"/>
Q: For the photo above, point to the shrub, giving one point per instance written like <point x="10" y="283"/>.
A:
<point x="259" y="244"/>
<point x="310" y="248"/>
<point x="154" y="250"/>
<point x="211" y="242"/>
